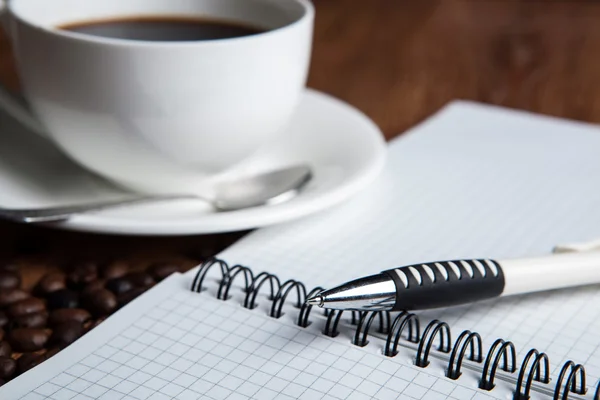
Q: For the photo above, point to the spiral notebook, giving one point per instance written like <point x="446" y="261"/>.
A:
<point x="472" y="181"/>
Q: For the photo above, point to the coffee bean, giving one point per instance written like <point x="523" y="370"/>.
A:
<point x="66" y="333"/>
<point x="2" y="333"/>
<point x="8" y="366"/>
<point x="63" y="315"/>
<point x="101" y="302"/>
<point x="3" y="319"/>
<point x="29" y="360"/>
<point x="140" y="279"/>
<point x="114" y="270"/>
<point x="119" y="285"/>
<point x="160" y="271"/>
<point x="82" y="274"/>
<point x="5" y="349"/>
<point x="2" y="382"/>
<point x="89" y="326"/>
<point x="63" y="298"/>
<point x="10" y="296"/>
<point x="92" y="287"/>
<point x="126" y="297"/>
<point x="9" y="267"/>
<point x="33" y="320"/>
<point x="9" y="280"/>
<point x="50" y="282"/>
<point x="28" y="339"/>
<point x="26" y="306"/>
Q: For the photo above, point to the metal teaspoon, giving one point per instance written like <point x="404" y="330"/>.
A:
<point x="251" y="191"/>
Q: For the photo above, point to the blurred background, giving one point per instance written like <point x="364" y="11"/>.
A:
<point x="400" y="60"/>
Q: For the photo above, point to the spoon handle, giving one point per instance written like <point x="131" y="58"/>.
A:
<point x="63" y="213"/>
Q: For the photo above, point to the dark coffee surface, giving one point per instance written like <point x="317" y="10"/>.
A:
<point x="163" y="29"/>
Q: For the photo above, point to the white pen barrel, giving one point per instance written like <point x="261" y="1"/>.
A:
<point x="550" y="272"/>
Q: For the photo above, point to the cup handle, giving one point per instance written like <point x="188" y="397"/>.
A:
<point x="12" y="103"/>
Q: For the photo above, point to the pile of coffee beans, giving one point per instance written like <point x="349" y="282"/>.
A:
<point x="62" y="307"/>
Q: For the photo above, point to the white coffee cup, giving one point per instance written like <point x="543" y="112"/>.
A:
<point x="159" y="116"/>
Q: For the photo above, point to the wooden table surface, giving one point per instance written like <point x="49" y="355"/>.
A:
<point x="398" y="61"/>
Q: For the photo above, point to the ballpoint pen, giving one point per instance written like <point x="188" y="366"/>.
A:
<point x="447" y="283"/>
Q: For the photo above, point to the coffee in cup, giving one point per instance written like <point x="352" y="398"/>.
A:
<point x="160" y="96"/>
<point x="163" y="29"/>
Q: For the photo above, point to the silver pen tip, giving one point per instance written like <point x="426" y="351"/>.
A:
<point x="315" y="301"/>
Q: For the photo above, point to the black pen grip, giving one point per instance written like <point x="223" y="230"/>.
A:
<point x="446" y="283"/>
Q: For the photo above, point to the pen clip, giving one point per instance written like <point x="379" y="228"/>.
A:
<point x="592" y="245"/>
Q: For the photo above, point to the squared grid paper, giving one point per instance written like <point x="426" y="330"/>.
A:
<point x="192" y="346"/>
<point x="472" y="181"/>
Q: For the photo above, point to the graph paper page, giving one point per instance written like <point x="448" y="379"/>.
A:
<point x="473" y="181"/>
<point x="173" y="343"/>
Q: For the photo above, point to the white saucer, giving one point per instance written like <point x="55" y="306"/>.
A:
<point x="345" y="149"/>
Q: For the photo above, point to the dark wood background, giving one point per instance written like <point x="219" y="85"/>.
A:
<point x="398" y="61"/>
